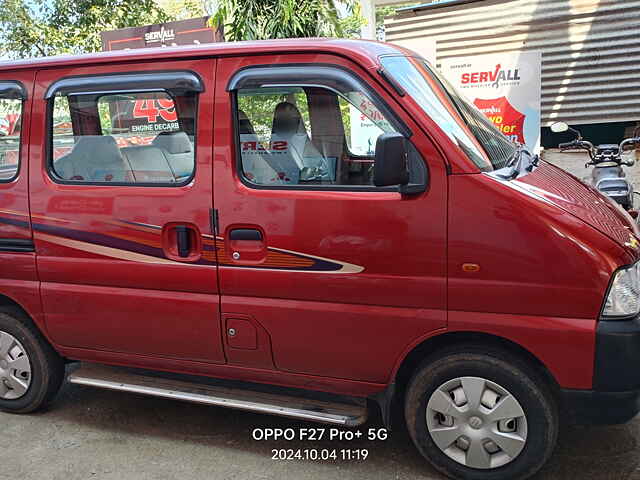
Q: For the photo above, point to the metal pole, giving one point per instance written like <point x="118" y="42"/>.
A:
<point x="368" y="31"/>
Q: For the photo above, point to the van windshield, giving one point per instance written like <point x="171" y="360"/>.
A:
<point x="413" y="75"/>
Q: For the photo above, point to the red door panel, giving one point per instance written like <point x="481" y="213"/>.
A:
<point x="339" y="340"/>
<point x="113" y="277"/>
<point x="241" y="334"/>
<point x="348" y="279"/>
<point x="19" y="279"/>
<point x="124" y="315"/>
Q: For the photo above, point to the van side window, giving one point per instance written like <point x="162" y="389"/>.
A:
<point x="136" y="138"/>
<point x="10" y="127"/>
<point x="308" y="136"/>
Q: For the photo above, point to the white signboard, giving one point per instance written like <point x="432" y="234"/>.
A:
<point x="506" y="87"/>
<point x="367" y="124"/>
<point x="364" y="133"/>
<point x="425" y="47"/>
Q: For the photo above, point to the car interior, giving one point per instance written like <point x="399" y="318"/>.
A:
<point x="277" y="145"/>
<point x="96" y="156"/>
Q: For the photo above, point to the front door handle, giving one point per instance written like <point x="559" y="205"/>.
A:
<point x="246" y="244"/>
<point x="249" y="234"/>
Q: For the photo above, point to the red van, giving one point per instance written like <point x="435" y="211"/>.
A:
<point x="308" y="228"/>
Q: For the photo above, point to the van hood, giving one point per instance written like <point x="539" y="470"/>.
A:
<point x="562" y="189"/>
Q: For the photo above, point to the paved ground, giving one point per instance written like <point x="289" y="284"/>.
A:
<point x="99" y="434"/>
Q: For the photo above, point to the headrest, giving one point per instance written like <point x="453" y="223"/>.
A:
<point x="97" y="149"/>
<point x="244" y="124"/>
<point x="173" y="142"/>
<point x="287" y="119"/>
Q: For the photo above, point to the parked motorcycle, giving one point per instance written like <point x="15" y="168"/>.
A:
<point x="608" y="160"/>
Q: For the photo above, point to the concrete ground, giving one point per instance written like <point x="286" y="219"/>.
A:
<point x="98" y="434"/>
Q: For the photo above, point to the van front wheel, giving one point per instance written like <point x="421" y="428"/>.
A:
<point x="476" y="416"/>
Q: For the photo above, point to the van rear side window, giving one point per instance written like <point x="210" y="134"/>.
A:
<point x="10" y="123"/>
<point x="124" y="138"/>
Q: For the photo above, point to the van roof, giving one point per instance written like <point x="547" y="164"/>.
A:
<point x="365" y="51"/>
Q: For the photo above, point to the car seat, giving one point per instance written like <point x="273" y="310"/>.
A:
<point x="259" y="165"/>
<point x="94" y="159"/>
<point x="177" y="147"/>
<point x="288" y="127"/>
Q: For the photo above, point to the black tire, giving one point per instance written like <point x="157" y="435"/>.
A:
<point x="47" y="367"/>
<point x="508" y="371"/>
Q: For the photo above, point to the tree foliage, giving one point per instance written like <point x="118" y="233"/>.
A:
<point x="352" y="21"/>
<point x="184" y="9"/>
<point x="31" y="28"/>
<point x="36" y="28"/>
<point x="265" y="19"/>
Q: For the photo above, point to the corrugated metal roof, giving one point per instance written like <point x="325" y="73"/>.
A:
<point x="435" y="4"/>
<point x="590" y="48"/>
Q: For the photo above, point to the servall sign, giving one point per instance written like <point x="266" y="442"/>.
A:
<point x="497" y="77"/>
<point x="161" y="35"/>
<point x="505" y="87"/>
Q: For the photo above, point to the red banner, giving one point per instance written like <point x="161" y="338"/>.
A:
<point x="502" y="114"/>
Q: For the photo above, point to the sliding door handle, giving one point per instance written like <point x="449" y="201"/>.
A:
<point x="183" y="241"/>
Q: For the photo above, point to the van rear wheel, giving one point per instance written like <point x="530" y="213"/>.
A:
<point x="31" y="372"/>
<point x="476" y="416"/>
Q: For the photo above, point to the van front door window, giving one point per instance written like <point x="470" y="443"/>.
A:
<point x="308" y="136"/>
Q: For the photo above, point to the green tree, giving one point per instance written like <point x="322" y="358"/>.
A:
<point x="183" y="9"/>
<point x="352" y="21"/>
<point x="37" y="28"/>
<point x="265" y="19"/>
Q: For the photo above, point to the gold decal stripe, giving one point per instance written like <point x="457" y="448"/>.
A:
<point x="346" y="267"/>
<point x="102" y="250"/>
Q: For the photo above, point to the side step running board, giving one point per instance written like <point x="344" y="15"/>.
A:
<point x="126" y="380"/>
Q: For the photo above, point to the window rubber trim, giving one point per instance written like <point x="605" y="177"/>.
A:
<point x="12" y="90"/>
<point x="178" y="83"/>
<point x="329" y="76"/>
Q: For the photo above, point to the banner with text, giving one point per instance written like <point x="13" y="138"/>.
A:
<point x="506" y="87"/>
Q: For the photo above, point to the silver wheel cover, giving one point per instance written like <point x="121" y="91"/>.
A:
<point x="476" y="422"/>
<point x="15" y="368"/>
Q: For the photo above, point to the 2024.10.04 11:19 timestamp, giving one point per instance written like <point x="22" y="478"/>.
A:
<point x="326" y="454"/>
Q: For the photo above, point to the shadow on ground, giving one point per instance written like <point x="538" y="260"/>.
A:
<point x="100" y="434"/>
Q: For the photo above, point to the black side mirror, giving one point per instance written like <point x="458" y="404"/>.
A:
<point x="390" y="167"/>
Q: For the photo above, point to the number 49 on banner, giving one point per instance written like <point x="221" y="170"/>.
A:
<point x="152" y="108"/>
